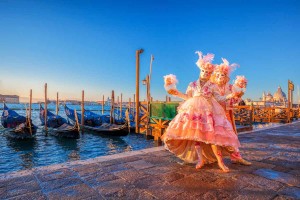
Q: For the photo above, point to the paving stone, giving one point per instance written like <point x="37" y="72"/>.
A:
<point x="252" y="192"/>
<point x="288" y="156"/>
<point x="156" y="160"/>
<point x="230" y="184"/>
<point x="192" y="185"/>
<point x="293" y="192"/>
<point x="20" y="188"/>
<point x="87" y="170"/>
<point x="242" y="168"/>
<point x="257" y="181"/>
<point x="128" y="159"/>
<point x="111" y="187"/>
<point x="48" y="175"/>
<point x="30" y="196"/>
<point x="185" y="196"/>
<point x="171" y="176"/>
<point x="81" y="191"/>
<point x="16" y="180"/>
<point x="257" y="155"/>
<point x="99" y="179"/>
<point x="148" y="181"/>
<point x="217" y="194"/>
<point x="3" y="192"/>
<point x="283" y="163"/>
<point x="283" y="197"/>
<point x="281" y="169"/>
<point x="163" y="191"/>
<point x="140" y="164"/>
<point x="59" y="183"/>
<point x="136" y="194"/>
<point x="116" y="167"/>
<point x="187" y="169"/>
<point x="204" y="177"/>
<point x="109" y="163"/>
<point x="130" y="175"/>
<point x="157" y="170"/>
<point x="295" y="172"/>
<point x="278" y="176"/>
<point x="163" y="153"/>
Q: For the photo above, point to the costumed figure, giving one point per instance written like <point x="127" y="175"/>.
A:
<point x="200" y="129"/>
<point x="221" y="77"/>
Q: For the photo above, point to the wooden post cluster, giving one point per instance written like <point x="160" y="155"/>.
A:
<point x="137" y="89"/>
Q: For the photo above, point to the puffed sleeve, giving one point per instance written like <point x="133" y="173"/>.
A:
<point x="188" y="94"/>
<point x="190" y="90"/>
<point x="218" y="96"/>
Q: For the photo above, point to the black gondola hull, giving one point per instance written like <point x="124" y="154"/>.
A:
<point x="66" y="131"/>
<point x="121" y="131"/>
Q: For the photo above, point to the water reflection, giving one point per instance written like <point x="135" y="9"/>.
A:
<point x="70" y="146"/>
<point x="25" y="148"/>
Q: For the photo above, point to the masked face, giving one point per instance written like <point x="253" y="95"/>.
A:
<point x="205" y="74"/>
<point x="221" y="78"/>
<point x="242" y="85"/>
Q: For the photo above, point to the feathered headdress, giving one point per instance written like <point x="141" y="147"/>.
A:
<point x="225" y="67"/>
<point x="204" y="61"/>
<point x="240" y="80"/>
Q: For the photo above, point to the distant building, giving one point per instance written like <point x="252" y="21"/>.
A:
<point x="267" y="99"/>
<point x="279" y="96"/>
<point x="9" y="98"/>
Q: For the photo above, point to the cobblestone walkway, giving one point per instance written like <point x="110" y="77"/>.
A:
<point x="157" y="174"/>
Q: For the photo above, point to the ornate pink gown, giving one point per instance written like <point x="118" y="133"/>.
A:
<point x="200" y="119"/>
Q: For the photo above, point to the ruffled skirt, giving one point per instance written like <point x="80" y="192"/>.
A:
<point x="200" y="121"/>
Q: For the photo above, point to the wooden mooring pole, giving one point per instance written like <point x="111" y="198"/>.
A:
<point x="137" y="89"/>
<point x="30" y="104"/>
<point x="102" y="104"/>
<point x="121" y="106"/>
<point x="112" y="107"/>
<point x="133" y="105"/>
<point x="29" y="114"/>
<point x="129" y="105"/>
<point x="57" y="104"/>
<point x="118" y="105"/>
<point x="82" y="108"/>
<point x="46" y="107"/>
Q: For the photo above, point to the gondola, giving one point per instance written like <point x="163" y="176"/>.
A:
<point x="66" y="130"/>
<point x="104" y="129"/>
<point x="122" y="120"/>
<point x="108" y="129"/>
<point x="90" y="118"/>
<point x="11" y="119"/>
<point x="58" y="126"/>
<point x="19" y="126"/>
<point x="23" y="131"/>
<point x="53" y="121"/>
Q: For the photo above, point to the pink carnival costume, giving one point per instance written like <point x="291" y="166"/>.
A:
<point x="221" y="78"/>
<point x="201" y="121"/>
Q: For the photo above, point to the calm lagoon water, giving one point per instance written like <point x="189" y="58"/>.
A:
<point x="46" y="150"/>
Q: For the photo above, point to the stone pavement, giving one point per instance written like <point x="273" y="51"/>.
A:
<point x="157" y="174"/>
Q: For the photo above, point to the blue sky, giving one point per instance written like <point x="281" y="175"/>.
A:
<point x="90" y="45"/>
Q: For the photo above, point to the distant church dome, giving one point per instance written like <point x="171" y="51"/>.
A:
<point x="279" y="95"/>
<point x="269" y="97"/>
